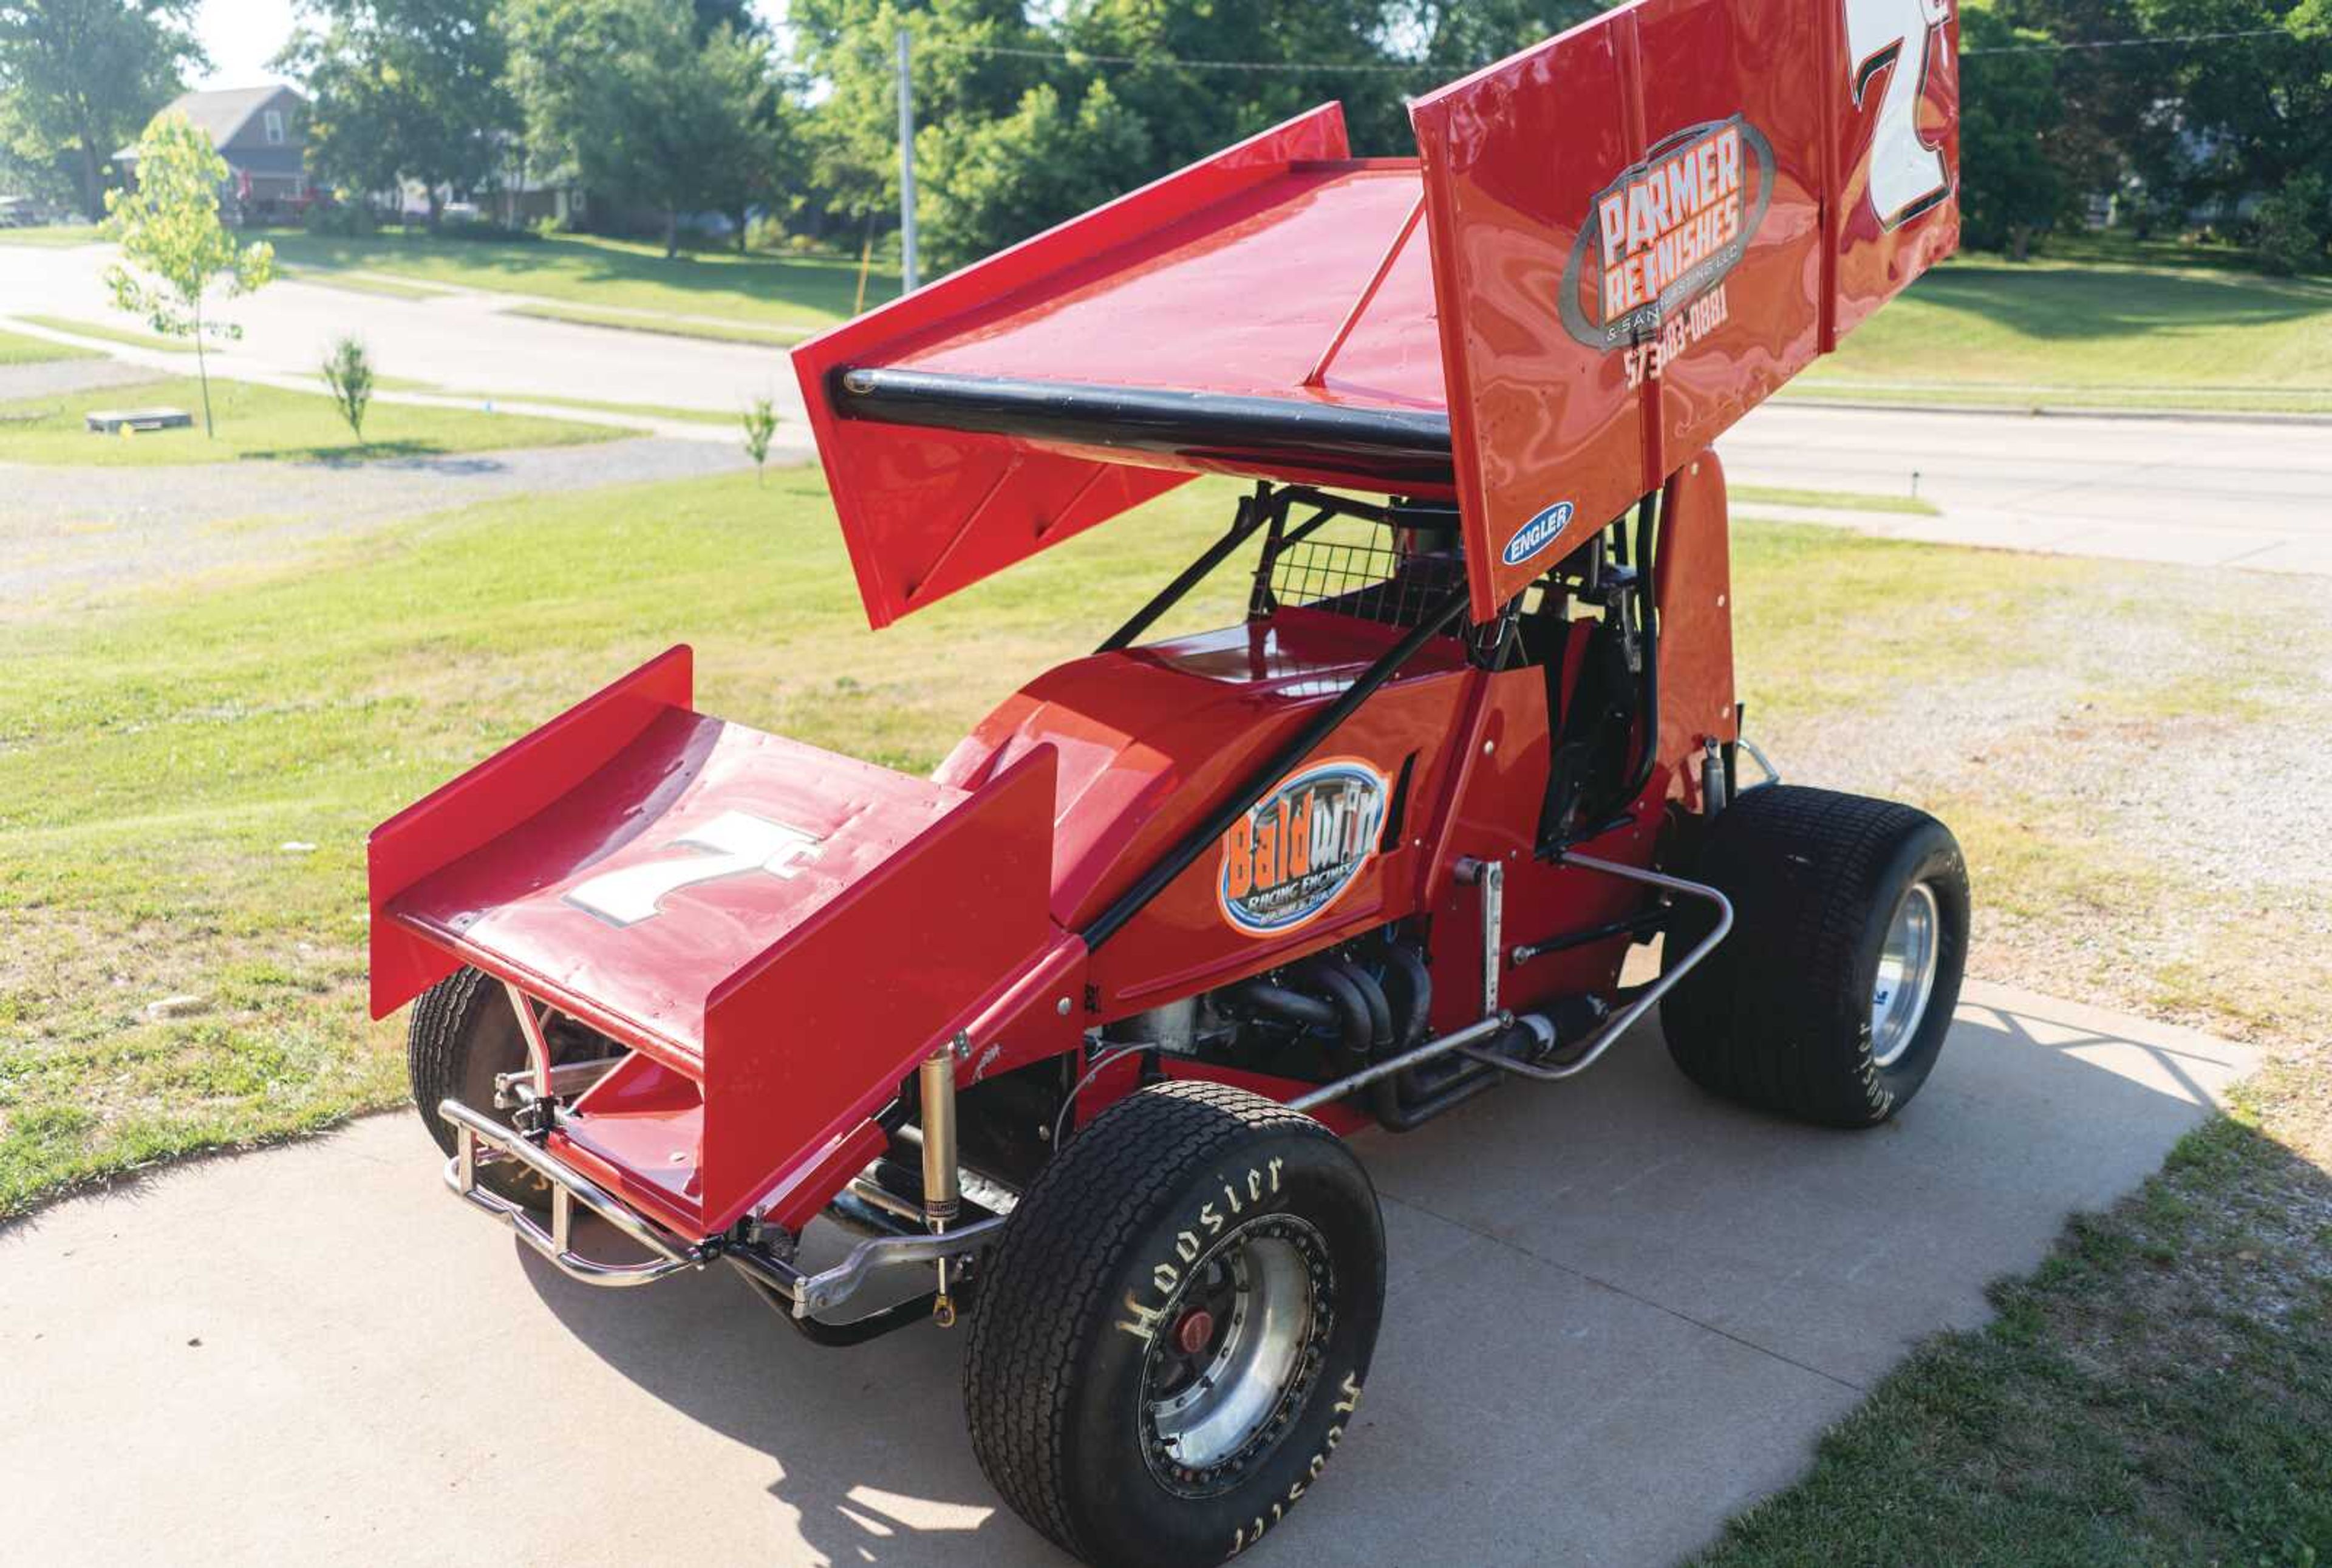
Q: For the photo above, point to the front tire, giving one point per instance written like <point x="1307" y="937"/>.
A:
<point x="462" y="1034"/>
<point x="1831" y="999"/>
<point x="1172" y="1336"/>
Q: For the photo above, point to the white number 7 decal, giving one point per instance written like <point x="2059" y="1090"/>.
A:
<point x="730" y="845"/>
<point x="1907" y="176"/>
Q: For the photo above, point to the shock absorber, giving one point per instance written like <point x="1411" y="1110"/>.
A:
<point x="942" y="1196"/>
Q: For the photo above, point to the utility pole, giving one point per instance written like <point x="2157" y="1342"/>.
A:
<point x="906" y="166"/>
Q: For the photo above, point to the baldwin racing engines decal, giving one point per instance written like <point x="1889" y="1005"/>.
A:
<point x="1665" y="234"/>
<point x="1302" y="847"/>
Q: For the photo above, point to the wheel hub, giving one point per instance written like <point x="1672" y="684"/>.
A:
<point x="1907" y="962"/>
<point x="1220" y="1386"/>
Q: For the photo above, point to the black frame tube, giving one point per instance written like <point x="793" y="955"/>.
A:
<point x="1194" y="843"/>
<point x="1253" y="512"/>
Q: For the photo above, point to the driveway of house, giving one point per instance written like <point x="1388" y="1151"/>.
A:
<point x="1619" y="1311"/>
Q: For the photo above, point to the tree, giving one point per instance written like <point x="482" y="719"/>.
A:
<point x="348" y="371"/>
<point x="169" y="230"/>
<point x="79" y="78"/>
<point x="998" y="180"/>
<point x="402" y="89"/>
<point x="760" y="428"/>
<point x="2234" y="117"/>
<point x="2010" y="111"/>
<point x="650" y="115"/>
<point x="850" y="143"/>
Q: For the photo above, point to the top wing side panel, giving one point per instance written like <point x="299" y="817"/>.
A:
<point x="1641" y="228"/>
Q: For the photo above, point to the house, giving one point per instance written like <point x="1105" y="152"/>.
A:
<point x="261" y="132"/>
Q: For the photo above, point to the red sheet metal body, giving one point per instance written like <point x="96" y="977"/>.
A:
<point x="1632" y="235"/>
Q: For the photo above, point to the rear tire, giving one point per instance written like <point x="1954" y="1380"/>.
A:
<point x="1171" y="1338"/>
<point x="1831" y="999"/>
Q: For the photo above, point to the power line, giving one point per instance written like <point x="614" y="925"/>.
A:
<point x="1419" y="68"/>
<point x="2132" y="43"/>
<point x="1171" y="62"/>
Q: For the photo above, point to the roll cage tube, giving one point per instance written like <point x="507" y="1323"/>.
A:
<point x="1194" y="843"/>
<point x="1615" y="812"/>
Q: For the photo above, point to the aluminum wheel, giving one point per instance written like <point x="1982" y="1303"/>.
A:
<point x="1906" y="975"/>
<point x="1239" y="1348"/>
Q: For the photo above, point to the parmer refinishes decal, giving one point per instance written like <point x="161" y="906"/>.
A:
<point x="1667" y="232"/>
<point x="1302" y="847"/>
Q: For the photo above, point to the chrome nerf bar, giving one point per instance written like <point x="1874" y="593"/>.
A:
<point x="1604" y="1038"/>
<point x="568" y="1187"/>
<point x="479" y="1138"/>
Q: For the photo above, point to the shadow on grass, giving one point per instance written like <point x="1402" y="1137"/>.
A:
<point x="430" y="456"/>
<point x="2044" y="303"/>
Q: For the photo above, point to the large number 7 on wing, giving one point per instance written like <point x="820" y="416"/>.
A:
<point x="730" y="845"/>
<point x="1907" y="176"/>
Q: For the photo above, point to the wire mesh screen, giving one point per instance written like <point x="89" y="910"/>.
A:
<point x="1354" y="568"/>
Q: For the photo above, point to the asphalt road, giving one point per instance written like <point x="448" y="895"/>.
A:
<point x="2201" y="493"/>
<point x="2210" y="492"/>
<point x="1618" y="1312"/>
<point x="463" y="340"/>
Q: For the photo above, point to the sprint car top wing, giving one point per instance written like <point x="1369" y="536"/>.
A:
<point x="1609" y="247"/>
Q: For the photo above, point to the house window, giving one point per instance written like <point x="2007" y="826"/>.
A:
<point x="275" y="128"/>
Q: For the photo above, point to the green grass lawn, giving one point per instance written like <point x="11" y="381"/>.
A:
<point x="53" y="234"/>
<point x="2058" y="334"/>
<point x="795" y="293"/>
<point x="641" y="410"/>
<point x="1831" y="500"/>
<point x="665" y="326"/>
<point x="262" y="422"/>
<point x="16" y="349"/>
<point x="133" y="337"/>
<point x="358" y="283"/>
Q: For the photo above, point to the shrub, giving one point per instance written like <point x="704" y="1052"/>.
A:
<point x="339" y="220"/>
<point x="347" y="370"/>
<point x="760" y="424"/>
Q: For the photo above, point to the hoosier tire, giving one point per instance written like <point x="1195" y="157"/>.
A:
<point x="1172" y="1337"/>
<point x="1830" y="1000"/>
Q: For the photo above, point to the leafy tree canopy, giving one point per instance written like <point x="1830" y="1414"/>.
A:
<point x="80" y="78"/>
<point x="404" y="88"/>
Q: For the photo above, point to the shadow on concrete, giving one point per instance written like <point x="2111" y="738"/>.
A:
<point x="1621" y="1278"/>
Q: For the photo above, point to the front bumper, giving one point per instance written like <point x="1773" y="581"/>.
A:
<point x="481" y="1141"/>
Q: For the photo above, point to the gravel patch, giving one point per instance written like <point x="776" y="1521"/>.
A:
<point x="68" y="534"/>
<point x="61" y="377"/>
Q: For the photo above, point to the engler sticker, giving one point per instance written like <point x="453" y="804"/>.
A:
<point x="1302" y="847"/>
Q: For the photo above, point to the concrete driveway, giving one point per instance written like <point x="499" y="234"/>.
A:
<point x="1619" y="1311"/>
